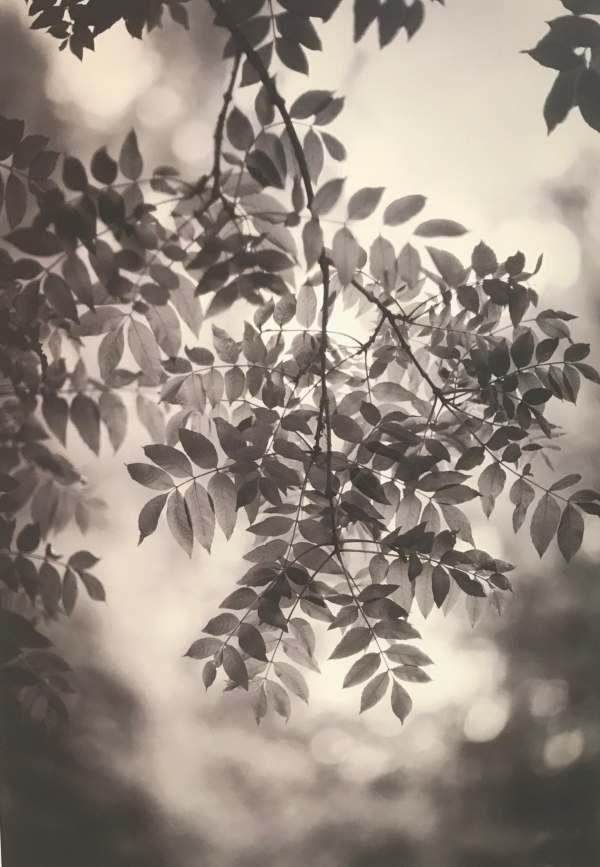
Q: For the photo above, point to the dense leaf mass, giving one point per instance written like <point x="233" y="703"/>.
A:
<point x="356" y="463"/>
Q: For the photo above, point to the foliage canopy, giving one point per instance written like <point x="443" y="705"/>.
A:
<point x="357" y="463"/>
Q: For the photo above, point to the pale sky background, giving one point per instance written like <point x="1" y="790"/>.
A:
<point x="455" y="115"/>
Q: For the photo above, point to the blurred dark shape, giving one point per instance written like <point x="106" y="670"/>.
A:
<point x="23" y="69"/>
<point x="532" y="795"/>
<point x="65" y="802"/>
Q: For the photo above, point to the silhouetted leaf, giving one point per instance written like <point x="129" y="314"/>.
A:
<point x="570" y="532"/>
<point x="544" y="523"/>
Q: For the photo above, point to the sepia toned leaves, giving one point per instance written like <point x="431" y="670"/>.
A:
<point x="150" y="477"/>
<point x="362" y="669"/>
<point x="327" y="196"/>
<point x="401" y="210"/>
<point x="440" y="229"/>
<point x="400" y="700"/>
<point x="362" y="203"/>
<point x="353" y="642"/>
<point x="224" y="498"/>
<point x="199" y="448"/>
<point x="235" y="667"/>
<point x="150" y="515"/>
<point x="179" y="522"/>
<point x="374" y="691"/>
<point x="570" y="532"/>
<point x="201" y="514"/>
<point x="130" y="158"/>
<point x="544" y="523"/>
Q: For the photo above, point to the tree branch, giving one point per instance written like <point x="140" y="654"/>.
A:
<point x="220" y="127"/>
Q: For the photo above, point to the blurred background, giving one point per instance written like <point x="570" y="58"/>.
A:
<point x="499" y="764"/>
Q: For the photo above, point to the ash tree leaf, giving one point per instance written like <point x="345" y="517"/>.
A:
<point x="104" y="168"/>
<point x="15" y="203"/>
<point x="130" y="158"/>
<point x="149" y="516"/>
<point x="374" y="691"/>
<point x="369" y="485"/>
<point x="522" y="496"/>
<point x="209" y="673"/>
<point x="259" y="702"/>
<point x="201" y="514"/>
<point x="69" y="592"/>
<point x="448" y="266"/>
<point x="440" y="229"/>
<point x="114" y="415"/>
<point x="150" y="477"/>
<point x="537" y="396"/>
<point x="310" y="103"/>
<point x="56" y="415"/>
<point x="440" y="585"/>
<point x="263" y="170"/>
<point x="408" y="654"/>
<point x="275" y="526"/>
<point x="222" y="624"/>
<point x="563" y="97"/>
<point x="59" y="296"/>
<point x="327" y="196"/>
<point x="401" y="210"/>
<point x="226" y="347"/>
<point x="314" y="154"/>
<point x="11" y="133"/>
<point x="347" y="429"/>
<point x="169" y="459"/>
<point x="468" y="585"/>
<point x="346" y="255"/>
<point x="484" y="260"/>
<point x="362" y="669"/>
<point x="242" y="598"/>
<point x="251" y="641"/>
<point x="411" y="674"/>
<point x="179" y="522"/>
<point x="34" y="242"/>
<point x="544" y="523"/>
<point x="335" y="148"/>
<point x="565" y="482"/>
<point x="306" y="305"/>
<point x="401" y="701"/>
<point x="554" y="54"/>
<point x="224" y="497"/>
<point x="292" y="679"/>
<point x="491" y="484"/>
<point x="589" y="98"/>
<point x="362" y="203"/>
<point x="291" y="54"/>
<point x="74" y="175"/>
<point x="235" y="667"/>
<point x="354" y="641"/>
<point x="279" y="699"/>
<point x="204" y="647"/>
<point x="93" y="587"/>
<point x="28" y="538"/>
<point x="522" y="349"/>
<point x="583" y="7"/>
<point x="144" y="350"/>
<point x="239" y="130"/>
<point x="110" y="352"/>
<point x="312" y="239"/>
<point x="409" y="265"/>
<point x="199" y="448"/>
<point x="570" y="532"/>
<point x="86" y="418"/>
